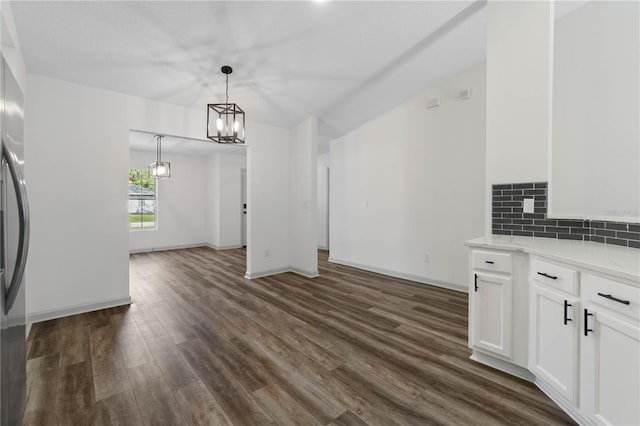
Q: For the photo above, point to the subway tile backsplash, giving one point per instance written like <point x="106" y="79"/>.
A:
<point x="508" y="218"/>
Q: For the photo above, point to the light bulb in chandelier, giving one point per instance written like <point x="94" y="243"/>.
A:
<point x="229" y="118"/>
<point x="160" y="169"/>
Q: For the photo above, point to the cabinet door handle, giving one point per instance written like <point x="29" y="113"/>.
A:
<point x="586" y="320"/>
<point x="615" y="299"/>
<point x="566" y="306"/>
<point x="544" y="274"/>
<point x="475" y="283"/>
<point x="490" y="262"/>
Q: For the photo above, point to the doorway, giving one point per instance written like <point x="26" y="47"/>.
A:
<point x="328" y="226"/>
<point x="243" y="201"/>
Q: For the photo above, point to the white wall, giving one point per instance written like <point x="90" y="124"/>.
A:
<point x="181" y="203"/>
<point x="518" y="93"/>
<point x="224" y="200"/>
<point x="411" y="182"/>
<point x="77" y="152"/>
<point x="303" y="199"/>
<point x="268" y="244"/>
<point x="11" y="45"/>
<point x="595" y="170"/>
<point x="323" y="201"/>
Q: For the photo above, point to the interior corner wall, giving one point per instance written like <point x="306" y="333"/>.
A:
<point x="407" y="188"/>
<point x="323" y="201"/>
<point x="268" y="162"/>
<point x="519" y="46"/>
<point x="303" y="197"/>
<point x="77" y="154"/>
<point x="181" y="203"/>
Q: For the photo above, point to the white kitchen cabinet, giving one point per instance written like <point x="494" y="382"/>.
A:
<point x="610" y="352"/>
<point x="579" y="304"/>
<point x="553" y="355"/>
<point x="492" y="304"/>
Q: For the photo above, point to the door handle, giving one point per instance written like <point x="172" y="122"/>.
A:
<point x="566" y="306"/>
<point x="544" y="274"/>
<point x="615" y="299"/>
<point x="475" y="281"/>
<point x="586" y="325"/>
<point x="23" y="220"/>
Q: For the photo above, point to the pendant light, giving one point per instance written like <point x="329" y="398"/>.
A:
<point x="160" y="169"/>
<point x="225" y="122"/>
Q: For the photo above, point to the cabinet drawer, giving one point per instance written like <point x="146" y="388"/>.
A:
<point x="492" y="261"/>
<point x="617" y="297"/>
<point x="555" y="276"/>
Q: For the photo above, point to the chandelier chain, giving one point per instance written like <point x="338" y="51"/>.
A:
<point x="227" y="91"/>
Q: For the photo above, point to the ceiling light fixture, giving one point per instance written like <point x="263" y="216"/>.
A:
<point x="160" y="169"/>
<point x="225" y="122"/>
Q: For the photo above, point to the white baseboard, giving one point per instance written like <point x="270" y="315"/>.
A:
<point x="34" y="317"/>
<point x="309" y="274"/>
<point x="165" y="248"/>
<point x="402" y="275"/>
<point x="252" y="275"/>
<point x="504" y="366"/>
<point x="215" y="247"/>
<point x="312" y="274"/>
<point x="566" y="406"/>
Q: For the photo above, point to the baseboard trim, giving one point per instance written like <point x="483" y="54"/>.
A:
<point x="75" y="309"/>
<point x="567" y="407"/>
<point x="507" y="367"/>
<point x="402" y="275"/>
<point x="166" y="248"/>
<point x="253" y="275"/>
<point x="215" y="247"/>
<point x="312" y="274"/>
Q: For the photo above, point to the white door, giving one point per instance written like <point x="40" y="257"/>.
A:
<point x="610" y="374"/>
<point x="243" y="200"/>
<point x="553" y="351"/>
<point x="492" y="303"/>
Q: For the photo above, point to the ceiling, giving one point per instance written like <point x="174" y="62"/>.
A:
<point x="344" y="62"/>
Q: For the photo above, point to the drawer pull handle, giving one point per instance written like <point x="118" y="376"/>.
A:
<point x="615" y="299"/>
<point x="566" y="306"/>
<point x="586" y="326"/>
<point x="489" y="262"/>
<point x="544" y="274"/>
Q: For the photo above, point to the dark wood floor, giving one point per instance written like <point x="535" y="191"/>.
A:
<point x="201" y="345"/>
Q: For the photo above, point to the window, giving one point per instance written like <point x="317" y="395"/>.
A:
<point x="142" y="199"/>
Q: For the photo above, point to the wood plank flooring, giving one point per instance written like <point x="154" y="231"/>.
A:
<point x="201" y="345"/>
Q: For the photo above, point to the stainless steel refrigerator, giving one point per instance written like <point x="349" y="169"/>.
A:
<point x="14" y="245"/>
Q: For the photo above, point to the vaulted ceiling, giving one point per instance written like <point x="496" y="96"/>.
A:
<point x="345" y="62"/>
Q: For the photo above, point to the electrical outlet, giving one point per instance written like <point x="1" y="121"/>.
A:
<point x="527" y="205"/>
<point x="267" y="253"/>
<point x="427" y="258"/>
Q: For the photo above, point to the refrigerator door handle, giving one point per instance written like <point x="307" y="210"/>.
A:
<point x="23" y="219"/>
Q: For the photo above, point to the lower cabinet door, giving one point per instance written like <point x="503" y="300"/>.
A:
<point x="554" y="331"/>
<point x="492" y="320"/>
<point x="610" y="371"/>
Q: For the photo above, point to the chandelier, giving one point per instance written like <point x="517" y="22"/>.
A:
<point x="160" y="169"/>
<point x="225" y="122"/>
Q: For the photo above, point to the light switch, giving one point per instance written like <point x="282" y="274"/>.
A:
<point x="527" y="205"/>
